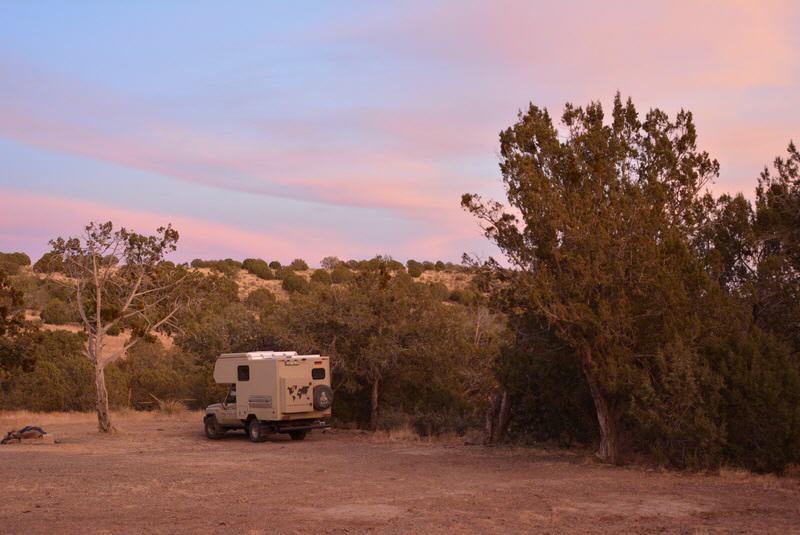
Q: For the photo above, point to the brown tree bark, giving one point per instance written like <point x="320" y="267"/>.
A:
<point x="498" y="416"/>
<point x="606" y="418"/>
<point x="373" y="413"/>
<point x="103" y="417"/>
<point x="491" y="419"/>
<point x="503" y="417"/>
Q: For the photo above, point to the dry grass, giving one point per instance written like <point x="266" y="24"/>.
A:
<point x="453" y="281"/>
<point x="172" y="406"/>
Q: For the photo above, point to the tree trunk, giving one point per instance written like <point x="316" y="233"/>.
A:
<point x="606" y="418"/>
<point x="373" y="413"/>
<point x="498" y="416"/>
<point x="491" y="419"/>
<point x="503" y="417"/>
<point x="103" y="418"/>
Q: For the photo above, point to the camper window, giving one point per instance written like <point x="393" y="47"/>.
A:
<point x="243" y="373"/>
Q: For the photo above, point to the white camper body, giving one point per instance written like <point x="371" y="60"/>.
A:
<point x="273" y="391"/>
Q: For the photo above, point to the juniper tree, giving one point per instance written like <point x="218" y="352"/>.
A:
<point x="597" y="234"/>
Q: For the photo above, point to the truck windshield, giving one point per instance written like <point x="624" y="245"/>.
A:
<point x="231" y="397"/>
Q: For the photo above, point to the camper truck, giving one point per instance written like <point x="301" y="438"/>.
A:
<point x="271" y="392"/>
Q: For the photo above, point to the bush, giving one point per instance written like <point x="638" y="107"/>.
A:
<point x="275" y="265"/>
<point x="12" y="262"/>
<point x="341" y="274"/>
<point x="282" y="273"/>
<point x="57" y="312"/>
<point x="439" y="290"/>
<point x="260" y="300"/>
<point x="259" y="268"/>
<point x="439" y="266"/>
<point x="321" y="276"/>
<point x="293" y="282"/>
<point x="227" y="267"/>
<point x="329" y="262"/>
<point x="298" y="264"/>
<point x="415" y="270"/>
<point x="62" y="378"/>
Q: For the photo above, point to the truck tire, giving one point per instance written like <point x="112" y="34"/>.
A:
<point x="254" y="431"/>
<point x="323" y="397"/>
<point x="298" y="435"/>
<point x="212" y="428"/>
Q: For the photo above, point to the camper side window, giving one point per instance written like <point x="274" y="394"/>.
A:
<point x="243" y="373"/>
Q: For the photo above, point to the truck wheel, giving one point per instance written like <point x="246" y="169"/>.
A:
<point x="254" y="431"/>
<point x="298" y="435"/>
<point x="212" y="428"/>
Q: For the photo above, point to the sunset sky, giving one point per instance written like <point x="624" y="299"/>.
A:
<point x="305" y="129"/>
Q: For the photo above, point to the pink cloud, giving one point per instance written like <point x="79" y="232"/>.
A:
<point x="29" y="220"/>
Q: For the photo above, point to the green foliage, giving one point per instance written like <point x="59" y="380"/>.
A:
<point x="439" y="290"/>
<point x="330" y="262"/>
<point x="228" y="267"/>
<point x="219" y="328"/>
<point x="57" y="312"/>
<point x="12" y="262"/>
<point x="293" y="282"/>
<point x="13" y="353"/>
<point x="321" y="276"/>
<point x="298" y="264"/>
<point x="415" y="268"/>
<point x="439" y="266"/>
<point x="61" y="380"/>
<point x="153" y="373"/>
<point x="260" y="300"/>
<point x="638" y="315"/>
<point x="759" y="400"/>
<point x="388" y="330"/>
<point x="275" y="265"/>
<point x="49" y="263"/>
<point x="341" y="274"/>
<point x="259" y="268"/>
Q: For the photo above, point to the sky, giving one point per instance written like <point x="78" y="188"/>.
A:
<point x="305" y="129"/>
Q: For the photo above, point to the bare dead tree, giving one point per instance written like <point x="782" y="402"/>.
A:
<point x="120" y="281"/>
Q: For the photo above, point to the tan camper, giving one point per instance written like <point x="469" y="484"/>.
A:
<point x="271" y="392"/>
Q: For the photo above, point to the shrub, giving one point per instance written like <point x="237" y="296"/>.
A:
<point x="415" y="270"/>
<point x="57" y="312"/>
<point x="439" y="290"/>
<point x="293" y="282"/>
<point x="341" y="273"/>
<point x="321" y="276"/>
<point x="114" y="330"/>
<point x="439" y="266"/>
<point x="282" y="273"/>
<point x="62" y="378"/>
<point x="329" y="262"/>
<point x="227" y="267"/>
<point x="12" y="262"/>
<point x="260" y="299"/>
<point x="298" y="264"/>
<point x="275" y="265"/>
<point x="258" y="267"/>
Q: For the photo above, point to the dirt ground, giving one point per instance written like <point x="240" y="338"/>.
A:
<point x="159" y="474"/>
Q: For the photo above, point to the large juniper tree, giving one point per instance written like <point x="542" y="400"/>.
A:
<point x="598" y="236"/>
